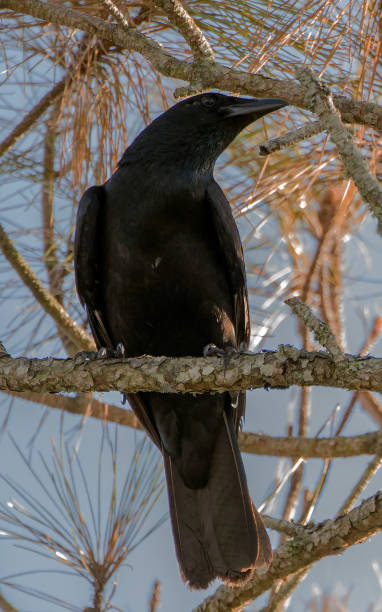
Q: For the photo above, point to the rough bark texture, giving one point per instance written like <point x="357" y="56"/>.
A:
<point x="280" y="369"/>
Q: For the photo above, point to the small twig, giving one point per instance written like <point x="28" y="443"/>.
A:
<point x="283" y="592"/>
<point x="5" y="606"/>
<point x="155" y="597"/>
<point x="290" y="138"/>
<point x="114" y="10"/>
<point x="319" y="97"/>
<point x="46" y="300"/>
<point x="282" y="526"/>
<point x="322" y="332"/>
<point x="33" y="115"/>
<point x="187" y="27"/>
<point x="371" y="468"/>
<point x="373" y="336"/>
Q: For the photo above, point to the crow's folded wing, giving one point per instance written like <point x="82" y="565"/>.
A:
<point x="233" y="261"/>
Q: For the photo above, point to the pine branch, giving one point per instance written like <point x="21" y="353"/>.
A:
<point x="207" y="74"/>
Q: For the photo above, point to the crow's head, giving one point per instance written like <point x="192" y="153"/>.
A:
<point x="196" y="131"/>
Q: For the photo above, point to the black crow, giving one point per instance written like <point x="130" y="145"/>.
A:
<point x="159" y="268"/>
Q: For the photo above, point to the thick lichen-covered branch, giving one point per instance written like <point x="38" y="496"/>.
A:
<point x="312" y="543"/>
<point x="283" y="368"/>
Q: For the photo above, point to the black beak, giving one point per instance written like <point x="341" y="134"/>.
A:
<point x="244" y="106"/>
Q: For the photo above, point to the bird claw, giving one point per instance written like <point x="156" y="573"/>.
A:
<point x="103" y="353"/>
<point x="108" y="353"/>
<point x="211" y="350"/>
<point x="83" y="356"/>
<point x="120" y="350"/>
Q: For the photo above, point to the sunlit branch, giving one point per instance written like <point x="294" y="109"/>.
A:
<point x="114" y="10"/>
<point x="5" y="606"/>
<point x="46" y="300"/>
<point x="321" y="102"/>
<point x="182" y="20"/>
<point x="371" y="468"/>
<point x="208" y="74"/>
<point x="155" y="597"/>
<point x="283" y="368"/>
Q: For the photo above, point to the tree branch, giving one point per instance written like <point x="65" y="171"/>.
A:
<point x="320" y="99"/>
<point x="34" y="114"/>
<point x="209" y="74"/>
<point x="186" y="26"/>
<point x="290" y="138"/>
<point x="323" y="448"/>
<point x="257" y="444"/>
<point x="322" y="332"/>
<point x="313" y="543"/>
<point x="51" y="306"/>
<point x="282" y="368"/>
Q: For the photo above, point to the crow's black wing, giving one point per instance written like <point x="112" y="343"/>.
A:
<point x="87" y="267"/>
<point x="87" y="254"/>
<point x="233" y="261"/>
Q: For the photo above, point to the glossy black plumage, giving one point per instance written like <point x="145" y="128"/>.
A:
<point x="159" y="267"/>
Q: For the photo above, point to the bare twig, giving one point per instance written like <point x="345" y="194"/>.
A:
<point x="321" y="330"/>
<point x="155" y="597"/>
<point x="51" y="306"/>
<point x="336" y="446"/>
<point x="290" y="138"/>
<point x="34" y="114"/>
<point x="286" y="527"/>
<point x="283" y="592"/>
<point x="371" y="468"/>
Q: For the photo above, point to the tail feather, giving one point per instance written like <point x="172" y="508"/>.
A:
<point x="217" y="530"/>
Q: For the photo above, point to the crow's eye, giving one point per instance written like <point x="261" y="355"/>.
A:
<point x="209" y="101"/>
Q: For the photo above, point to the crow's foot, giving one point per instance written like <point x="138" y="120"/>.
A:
<point x="227" y="354"/>
<point x="102" y="353"/>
